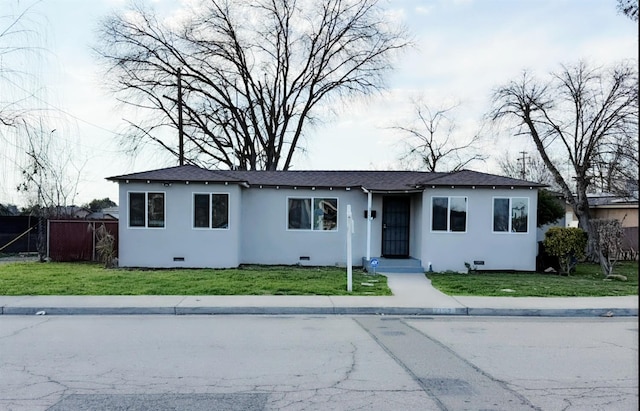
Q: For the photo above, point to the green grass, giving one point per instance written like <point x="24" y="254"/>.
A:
<point x="92" y="279"/>
<point x="587" y="281"/>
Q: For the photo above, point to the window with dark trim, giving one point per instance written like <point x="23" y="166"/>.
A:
<point x="439" y="208"/>
<point x="155" y="214"/>
<point x="201" y="205"/>
<point x="137" y="210"/>
<point x="449" y="214"/>
<point x="511" y="214"/>
<point x="219" y="210"/>
<point x="318" y="214"/>
<point x="146" y="210"/>
<point x="211" y="211"/>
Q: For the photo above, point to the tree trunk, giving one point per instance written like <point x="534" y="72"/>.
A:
<point x="584" y="222"/>
<point x="42" y="240"/>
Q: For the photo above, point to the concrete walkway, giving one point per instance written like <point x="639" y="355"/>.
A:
<point x="413" y="295"/>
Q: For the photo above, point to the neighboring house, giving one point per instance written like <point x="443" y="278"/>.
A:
<point x="110" y="213"/>
<point x="608" y="206"/>
<point x="72" y="212"/>
<point x="187" y="216"/>
<point x="113" y="212"/>
<point x="612" y="207"/>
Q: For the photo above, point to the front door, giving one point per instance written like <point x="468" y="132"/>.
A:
<point x="395" y="226"/>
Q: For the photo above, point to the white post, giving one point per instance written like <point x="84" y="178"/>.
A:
<point x="369" y="218"/>
<point x="349" y="258"/>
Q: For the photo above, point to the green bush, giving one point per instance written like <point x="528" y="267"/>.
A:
<point x="568" y="244"/>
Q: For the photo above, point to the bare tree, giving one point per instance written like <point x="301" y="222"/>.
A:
<point x="20" y="51"/>
<point x="609" y="237"/>
<point x="23" y="107"/>
<point x="616" y="169"/>
<point x="431" y="141"/>
<point x="579" y="115"/>
<point x="254" y="74"/>
<point x="526" y="166"/>
<point x="629" y="8"/>
<point x="51" y="174"/>
<point x="50" y="178"/>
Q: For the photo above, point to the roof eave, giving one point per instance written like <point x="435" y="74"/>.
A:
<point x="125" y="179"/>
<point x="392" y="190"/>
<point x="491" y="186"/>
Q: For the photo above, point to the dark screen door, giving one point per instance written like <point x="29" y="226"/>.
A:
<point x="395" y="226"/>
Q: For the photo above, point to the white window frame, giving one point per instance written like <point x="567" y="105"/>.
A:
<point x="146" y="209"/>
<point x="312" y="199"/>
<point x="210" y="194"/>
<point x="509" y="217"/>
<point x="448" y="230"/>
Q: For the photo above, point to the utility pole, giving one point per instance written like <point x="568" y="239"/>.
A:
<point x="524" y="162"/>
<point x="180" y="132"/>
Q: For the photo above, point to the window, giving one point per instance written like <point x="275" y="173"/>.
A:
<point x="299" y="214"/>
<point x="146" y="210"/>
<point x="511" y="214"/>
<point x="325" y="213"/>
<point x="211" y="211"/>
<point x="319" y="214"/>
<point x="439" y="213"/>
<point x="519" y="214"/>
<point x="500" y="214"/>
<point x="449" y="214"/>
<point x="155" y="215"/>
<point x="136" y="209"/>
<point x="201" y="205"/>
<point x="219" y="211"/>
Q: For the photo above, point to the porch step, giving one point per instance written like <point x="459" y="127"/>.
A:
<point x="394" y="265"/>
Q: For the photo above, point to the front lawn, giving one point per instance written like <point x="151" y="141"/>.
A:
<point x="587" y="281"/>
<point x="92" y="279"/>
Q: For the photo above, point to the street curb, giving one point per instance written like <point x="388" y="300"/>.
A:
<point x="88" y="311"/>
<point x="551" y="312"/>
<point x="320" y="311"/>
<point x="422" y="311"/>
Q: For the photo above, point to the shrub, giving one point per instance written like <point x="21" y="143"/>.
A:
<point x="105" y="246"/>
<point x="609" y="241"/>
<point x="568" y="244"/>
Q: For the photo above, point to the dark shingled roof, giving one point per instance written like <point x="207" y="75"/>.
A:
<point x="178" y="173"/>
<point x="370" y="180"/>
<point x="475" y="178"/>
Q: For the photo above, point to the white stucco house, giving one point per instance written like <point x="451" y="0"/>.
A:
<point x="188" y="216"/>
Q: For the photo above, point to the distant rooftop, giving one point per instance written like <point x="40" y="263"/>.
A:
<point x="607" y="199"/>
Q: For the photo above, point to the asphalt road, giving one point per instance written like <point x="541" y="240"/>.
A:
<point x="317" y="363"/>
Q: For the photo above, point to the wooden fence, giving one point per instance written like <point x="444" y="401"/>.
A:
<point x="629" y="244"/>
<point x="75" y="240"/>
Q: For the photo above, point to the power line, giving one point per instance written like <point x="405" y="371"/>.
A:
<point x="64" y="111"/>
<point x="72" y="116"/>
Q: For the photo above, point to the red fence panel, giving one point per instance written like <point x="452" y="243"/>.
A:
<point x="75" y="240"/>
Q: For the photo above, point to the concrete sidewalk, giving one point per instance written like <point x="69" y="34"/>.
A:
<point x="413" y="295"/>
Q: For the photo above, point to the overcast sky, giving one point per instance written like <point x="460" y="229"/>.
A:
<point x="464" y="49"/>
